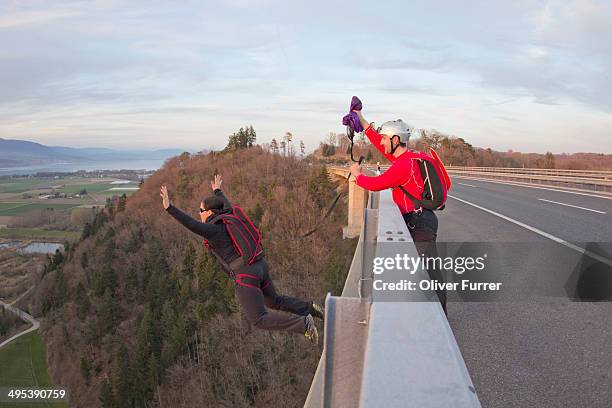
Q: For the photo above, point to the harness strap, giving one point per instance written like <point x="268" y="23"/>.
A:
<point x="229" y="267"/>
<point x="418" y="204"/>
<point x="241" y="276"/>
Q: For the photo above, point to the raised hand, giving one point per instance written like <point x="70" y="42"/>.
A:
<point x="165" y="197"/>
<point x="216" y="183"/>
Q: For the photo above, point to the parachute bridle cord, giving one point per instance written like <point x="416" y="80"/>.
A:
<point x="350" y="133"/>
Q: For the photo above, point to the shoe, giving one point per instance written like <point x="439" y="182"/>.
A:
<point x="311" y="332"/>
<point x="317" y="311"/>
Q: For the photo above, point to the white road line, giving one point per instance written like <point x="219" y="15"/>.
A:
<point x="570" y="205"/>
<point x="465" y="184"/>
<point x="540" y="232"/>
<point x="512" y="183"/>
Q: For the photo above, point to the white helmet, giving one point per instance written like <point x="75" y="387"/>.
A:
<point x="397" y="127"/>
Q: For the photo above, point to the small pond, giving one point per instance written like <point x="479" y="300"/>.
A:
<point x="33" y="247"/>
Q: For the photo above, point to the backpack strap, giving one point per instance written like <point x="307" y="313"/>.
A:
<point x="230" y="267"/>
<point x="418" y="204"/>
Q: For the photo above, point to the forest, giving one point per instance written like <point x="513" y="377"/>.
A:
<point x="137" y="314"/>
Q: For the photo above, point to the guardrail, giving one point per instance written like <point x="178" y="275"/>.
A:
<point x="573" y="180"/>
<point x="387" y="353"/>
<point x="597" y="174"/>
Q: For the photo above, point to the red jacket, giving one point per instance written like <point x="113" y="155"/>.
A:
<point x="404" y="171"/>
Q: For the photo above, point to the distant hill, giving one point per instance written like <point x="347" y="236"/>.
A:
<point x="17" y="153"/>
<point x="456" y="151"/>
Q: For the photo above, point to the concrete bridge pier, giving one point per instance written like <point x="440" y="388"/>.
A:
<point x="357" y="201"/>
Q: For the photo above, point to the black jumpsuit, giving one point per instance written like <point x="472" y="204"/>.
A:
<point x="253" y="283"/>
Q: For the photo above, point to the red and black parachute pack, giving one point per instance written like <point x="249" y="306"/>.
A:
<point x="436" y="181"/>
<point x="245" y="237"/>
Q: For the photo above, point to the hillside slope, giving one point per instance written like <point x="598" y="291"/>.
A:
<point x="138" y="314"/>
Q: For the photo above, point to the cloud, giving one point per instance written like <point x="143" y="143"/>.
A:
<point x="33" y="17"/>
<point x="474" y="69"/>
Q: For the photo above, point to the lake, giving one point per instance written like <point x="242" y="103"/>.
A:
<point x="152" y="164"/>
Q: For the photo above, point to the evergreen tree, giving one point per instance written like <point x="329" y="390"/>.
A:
<point x="58" y="258"/>
<point x="61" y="288"/>
<point x="85" y="369"/>
<point x="108" y="315"/>
<point x="131" y="284"/>
<point x="82" y="302"/>
<point x="84" y="260"/>
<point x="86" y="230"/>
<point x="243" y="139"/>
<point x="125" y="397"/>
<point x="121" y="203"/>
<point x="251" y="136"/>
<point x="99" y="220"/>
<point x="105" y="279"/>
<point x="106" y="395"/>
<point x="189" y="259"/>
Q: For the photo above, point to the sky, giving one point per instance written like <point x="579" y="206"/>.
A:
<point x="531" y="76"/>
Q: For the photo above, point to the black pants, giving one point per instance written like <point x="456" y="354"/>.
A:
<point x="423" y="227"/>
<point x="255" y="290"/>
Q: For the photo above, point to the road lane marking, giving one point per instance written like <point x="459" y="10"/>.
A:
<point x="539" y="232"/>
<point x="570" y="205"/>
<point x="465" y="184"/>
<point x="518" y="184"/>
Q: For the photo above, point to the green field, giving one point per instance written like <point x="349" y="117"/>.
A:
<point x="22" y="208"/>
<point x="24" y="364"/>
<point x="20" y="185"/>
<point x="91" y="188"/>
<point x="9" y="206"/>
<point x="117" y="192"/>
<point x="35" y="233"/>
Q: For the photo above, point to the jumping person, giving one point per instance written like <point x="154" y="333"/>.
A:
<point x="391" y="140"/>
<point x="253" y="283"/>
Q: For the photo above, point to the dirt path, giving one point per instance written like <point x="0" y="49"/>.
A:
<point x="24" y="316"/>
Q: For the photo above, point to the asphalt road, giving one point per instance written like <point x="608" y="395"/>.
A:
<point x="536" y="346"/>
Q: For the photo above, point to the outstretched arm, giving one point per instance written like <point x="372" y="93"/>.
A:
<point x="364" y="123"/>
<point x="200" y="228"/>
<point x="397" y="175"/>
<point x="216" y="188"/>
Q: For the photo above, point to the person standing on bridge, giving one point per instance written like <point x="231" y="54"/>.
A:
<point x="391" y="139"/>
<point x="253" y="284"/>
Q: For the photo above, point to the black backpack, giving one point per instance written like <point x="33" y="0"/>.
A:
<point x="245" y="237"/>
<point x="436" y="181"/>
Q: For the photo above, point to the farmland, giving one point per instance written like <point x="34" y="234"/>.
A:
<point x="54" y="207"/>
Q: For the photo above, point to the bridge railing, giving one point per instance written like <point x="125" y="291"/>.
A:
<point x="574" y="180"/>
<point x="596" y="174"/>
<point x="387" y="353"/>
<point x="598" y="181"/>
